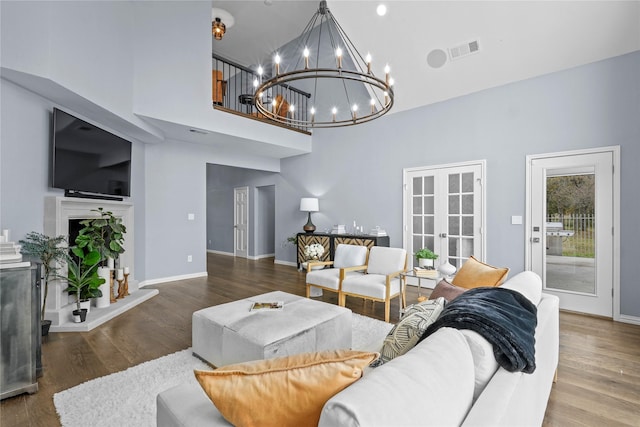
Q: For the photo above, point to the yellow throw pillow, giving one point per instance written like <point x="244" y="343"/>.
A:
<point x="474" y="274"/>
<point x="286" y="391"/>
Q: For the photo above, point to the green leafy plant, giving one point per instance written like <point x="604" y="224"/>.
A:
<point x="104" y="234"/>
<point x="426" y="253"/>
<point x="50" y="251"/>
<point x="83" y="273"/>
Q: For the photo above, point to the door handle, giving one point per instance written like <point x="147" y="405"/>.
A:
<point x="535" y="240"/>
<point x="443" y="235"/>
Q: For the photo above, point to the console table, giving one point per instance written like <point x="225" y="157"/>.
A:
<point x="331" y="241"/>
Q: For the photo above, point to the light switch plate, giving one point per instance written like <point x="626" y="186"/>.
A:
<point x="191" y="217"/>
<point x="516" y="219"/>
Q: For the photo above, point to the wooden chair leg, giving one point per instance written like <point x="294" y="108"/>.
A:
<point x="387" y="309"/>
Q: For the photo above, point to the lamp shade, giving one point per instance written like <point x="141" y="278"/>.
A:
<point x="309" y="204"/>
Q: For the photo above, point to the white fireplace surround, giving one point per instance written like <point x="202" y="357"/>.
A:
<point x="57" y="213"/>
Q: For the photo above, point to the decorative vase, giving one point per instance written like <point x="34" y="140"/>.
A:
<point x="447" y="269"/>
<point x="425" y="262"/>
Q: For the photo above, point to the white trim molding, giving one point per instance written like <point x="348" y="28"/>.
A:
<point x="172" y="279"/>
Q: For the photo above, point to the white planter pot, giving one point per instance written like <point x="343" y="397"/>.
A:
<point x="86" y="305"/>
<point x="105" y="288"/>
<point x="313" y="267"/>
<point x="424" y="262"/>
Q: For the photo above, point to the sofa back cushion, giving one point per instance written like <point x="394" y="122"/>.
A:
<point x="528" y="284"/>
<point x="432" y="384"/>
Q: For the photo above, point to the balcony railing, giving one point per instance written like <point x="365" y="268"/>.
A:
<point x="233" y="92"/>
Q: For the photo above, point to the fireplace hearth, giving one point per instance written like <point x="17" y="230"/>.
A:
<point x="61" y="217"/>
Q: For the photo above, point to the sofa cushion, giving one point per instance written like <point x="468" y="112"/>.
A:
<point x="446" y="290"/>
<point x="430" y="385"/>
<point x="405" y="334"/>
<point x="475" y="274"/>
<point x="528" y="284"/>
<point x="484" y="361"/>
<point x="286" y="391"/>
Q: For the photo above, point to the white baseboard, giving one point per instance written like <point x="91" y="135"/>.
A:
<point x="629" y="319"/>
<point x="289" y="263"/>
<point x="221" y="252"/>
<point x="257" y="257"/>
<point x="172" y="279"/>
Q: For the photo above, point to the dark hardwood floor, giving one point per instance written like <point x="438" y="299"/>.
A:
<point x="599" y="372"/>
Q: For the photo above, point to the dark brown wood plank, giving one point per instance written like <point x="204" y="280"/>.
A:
<point x="599" y="369"/>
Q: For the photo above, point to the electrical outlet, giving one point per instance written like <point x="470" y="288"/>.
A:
<point x="189" y="258"/>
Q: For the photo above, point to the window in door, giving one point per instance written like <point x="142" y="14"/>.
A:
<point x="444" y="211"/>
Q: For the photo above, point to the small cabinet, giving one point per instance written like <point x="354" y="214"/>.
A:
<point x="331" y="241"/>
<point x="19" y="329"/>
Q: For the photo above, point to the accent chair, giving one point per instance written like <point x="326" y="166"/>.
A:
<point x="346" y="261"/>
<point x="382" y="279"/>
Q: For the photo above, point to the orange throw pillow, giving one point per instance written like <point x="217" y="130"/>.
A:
<point x="475" y="274"/>
<point x="286" y="391"/>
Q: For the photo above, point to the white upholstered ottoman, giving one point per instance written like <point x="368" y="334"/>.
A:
<point x="231" y="333"/>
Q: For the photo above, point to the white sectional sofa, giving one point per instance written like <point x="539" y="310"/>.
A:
<point x="450" y="378"/>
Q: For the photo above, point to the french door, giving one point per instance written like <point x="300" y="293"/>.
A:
<point x="241" y="221"/>
<point x="444" y="211"/>
<point x="571" y="228"/>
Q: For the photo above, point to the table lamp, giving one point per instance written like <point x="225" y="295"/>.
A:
<point x="309" y="204"/>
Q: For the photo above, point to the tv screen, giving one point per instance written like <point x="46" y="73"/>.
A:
<point x="87" y="158"/>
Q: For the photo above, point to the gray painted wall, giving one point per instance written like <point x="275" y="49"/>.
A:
<point x="357" y="171"/>
<point x="265" y="220"/>
<point x="25" y="139"/>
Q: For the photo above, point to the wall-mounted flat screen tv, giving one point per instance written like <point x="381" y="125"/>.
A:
<point x="89" y="159"/>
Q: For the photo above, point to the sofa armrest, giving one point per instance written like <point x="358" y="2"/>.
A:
<point x="523" y="397"/>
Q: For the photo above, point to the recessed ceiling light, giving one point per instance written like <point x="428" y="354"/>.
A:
<point x="381" y="10"/>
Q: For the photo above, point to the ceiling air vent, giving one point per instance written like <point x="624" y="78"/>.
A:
<point x="464" y="49"/>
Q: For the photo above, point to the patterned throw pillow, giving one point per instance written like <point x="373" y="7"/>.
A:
<point x="406" y="333"/>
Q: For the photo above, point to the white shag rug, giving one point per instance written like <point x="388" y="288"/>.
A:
<point x="128" y="398"/>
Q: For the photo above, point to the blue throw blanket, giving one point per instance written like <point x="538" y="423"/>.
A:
<point x="504" y="317"/>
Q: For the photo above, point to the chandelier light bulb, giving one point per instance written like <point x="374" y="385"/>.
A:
<point x="368" y="61"/>
<point x="339" y="57"/>
<point x="387" y="70"/>
<point x="334" y="111"/>
<point x="305" y="53"/>
<point x="354" y="110"/>
<point x="355" y="107"/>
<point x="391" y="81"/>
<point x="255" y="83"/>
<point x="274" y="104"/>
<point x="277" y="61"/>
<point x="313" y="114"/>
<point x="386" y="97"/>
<point x="381" y="10"/>
<point x="260" y="70"/>
<point x="292" y="109"/>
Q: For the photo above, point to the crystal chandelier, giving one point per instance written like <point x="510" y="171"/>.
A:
<point x="343" y="88"/>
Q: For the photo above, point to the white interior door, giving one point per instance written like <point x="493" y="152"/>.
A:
<point x="241" y="221"/>
<point x="571" y="229"/>
<point x="444" y="211"/>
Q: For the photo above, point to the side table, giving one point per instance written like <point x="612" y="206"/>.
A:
<point x="411" y="273"/>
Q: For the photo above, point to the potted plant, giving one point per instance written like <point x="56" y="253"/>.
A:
<point x="426" y="257"/>
<point x="50" y="251"/>
<point x="104" y="234"/>
<point x="82" y="273"/>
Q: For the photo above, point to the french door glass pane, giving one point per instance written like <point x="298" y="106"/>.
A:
<point x="417" y="224"/>
<point x="467" y="204"/>
<point x="467" y="182"/>
<point x="454" y="204"/>
<point x="417" y="186"/>
<point x="417" y="205"/>
<point x="454" y="183"/>
<point x="467" y="226"/>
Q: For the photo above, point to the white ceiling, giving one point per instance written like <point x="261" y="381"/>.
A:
<point x="518" y="39"/>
